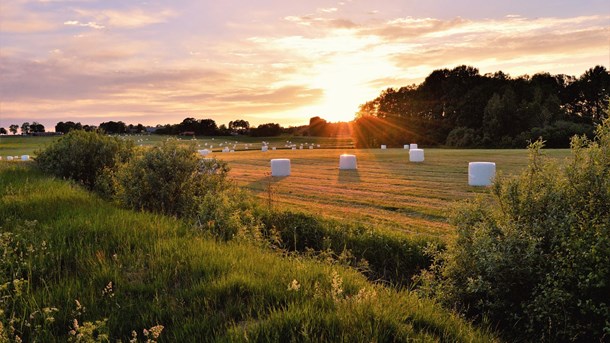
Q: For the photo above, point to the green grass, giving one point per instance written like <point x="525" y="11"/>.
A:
<point x="23" y="145"/>
<point x="162" y="272"/>
<point x="20" y="145"/>
<point x="386" y="191"/>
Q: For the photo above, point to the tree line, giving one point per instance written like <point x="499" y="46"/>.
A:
<point x="189" y="126"/>
<point x="461" y="108"/>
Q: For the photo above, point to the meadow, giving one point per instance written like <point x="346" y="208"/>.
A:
<point x="386" y="191"/>
<point x="77" y="268"/>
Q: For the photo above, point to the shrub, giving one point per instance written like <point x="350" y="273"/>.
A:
<point x="167" y="179"/>
<point x="82" y="156"/>
<point x="390" y="257"/>
<point x="536" y="261"/>
<point x="463" y="137"/>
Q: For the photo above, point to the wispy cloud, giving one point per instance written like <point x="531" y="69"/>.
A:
<point x="89" y="24"/>
<point x="162" y="61"/>
<point x="130" y="18"/>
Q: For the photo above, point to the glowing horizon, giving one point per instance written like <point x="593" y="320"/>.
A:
<point x="273" y="61"/>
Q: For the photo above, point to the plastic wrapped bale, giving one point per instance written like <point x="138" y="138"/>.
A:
<point x="264" y="148"/>
<point x="406" y="147"/>
<point x="280" y="167"/>
<point x="416" y="155"/>
<point x="274" y="148"/>
<point x="203" y="152"/>
<point x="25" y="157"/>
<point x="9" y="158"/>
<point x="310" y="147"/>
<point x="347" y="162"/>
<point x="294" y="148"/>
<point x="383" y="146"/>
<point x="412" y="146"/>
<point x="481" y="173"/>
<point x="226" y="149"/>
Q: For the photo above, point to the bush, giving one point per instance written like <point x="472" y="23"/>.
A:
<point x="167" y="179"/>
<point x="536" y="261"/>
<point x="83" y="156"/>
<point x="463" y="137"/>
<point x="556" y="135"/>
<point x="390" y="257"/>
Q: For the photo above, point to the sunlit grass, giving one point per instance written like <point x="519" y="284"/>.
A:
<point x="164" y="273"/>
<point x="386" y="190"/>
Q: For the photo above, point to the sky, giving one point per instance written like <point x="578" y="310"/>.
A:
<point x="158" y="62"/>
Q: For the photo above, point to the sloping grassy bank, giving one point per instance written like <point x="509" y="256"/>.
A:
<point x="133" y="271"/>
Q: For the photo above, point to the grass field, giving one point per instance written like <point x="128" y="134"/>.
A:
<point x="386" y="190"/>
<point x="68" y="255"/>
<point x="20" y="145"/>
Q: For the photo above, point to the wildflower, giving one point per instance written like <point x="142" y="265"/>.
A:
<point x="108" y="290"/>
<point x="337" y="282"/>
<point x="156" y="331"/>
<point x="294" y="285"/>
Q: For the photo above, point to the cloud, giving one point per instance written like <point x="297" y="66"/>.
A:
<point x="328" y="10"/>
<point x="15" y="18"/>
<point x="89" y="24"/>
<point x="130" y="18"/>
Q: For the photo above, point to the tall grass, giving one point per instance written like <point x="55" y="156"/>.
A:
<point x="133" y="271"/>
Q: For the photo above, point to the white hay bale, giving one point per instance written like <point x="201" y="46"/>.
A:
<point x="318" y="145"/>
<point x="280" y="167"/>
<point x="301" y="147"/>
<point x="347" y="162"/>
<point x="226" y="149"/>
<point x="294" y="148"/>
<point x="264" y="148"/>
<point x="412" y="146"/>
<point x="25" y="157"/>
<point x="9" y="158"/>
<point x="406" y="147"/>
<point x="481" y="173"/>
<point x="203" y="152"/>
<point x="416" y="155"/>
<point x="310" y="147"/>
<point x="232" y="150"/>
<point x="383" y="146"/>
<point x="274" y="148"/>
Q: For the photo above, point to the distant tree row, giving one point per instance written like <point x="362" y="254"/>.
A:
<point x="26" y="128"/>
<point x="321" y="128"/>
<point x="208" y="127"/>
<point x="462" y="108"/>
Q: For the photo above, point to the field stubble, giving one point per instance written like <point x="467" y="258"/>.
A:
<point x="386" y="190"/>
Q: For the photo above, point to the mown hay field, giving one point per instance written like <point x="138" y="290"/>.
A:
<point x="386" y="190"/>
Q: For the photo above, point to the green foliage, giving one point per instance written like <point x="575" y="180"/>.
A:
<point x="556" y="135"/>
<point x="133" y="270"/>
<point x="496" y="106"/>
<point x="172" y="179"/>
<point x="391" y="257"/>
<point x="463" y="137"/>
<point x="83" y="156"/>
<point x="535" y="261"/>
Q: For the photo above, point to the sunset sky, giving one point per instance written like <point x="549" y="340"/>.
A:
<point x="157" y="62"/>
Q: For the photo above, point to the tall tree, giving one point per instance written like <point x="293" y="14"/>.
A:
<point x="25" y="128"/>
<point x="36" y="127"/>
<point x="13" y="128"/>
<point x="239" y="126"/>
